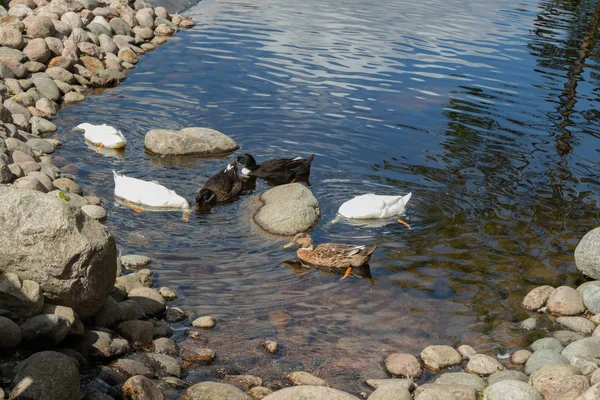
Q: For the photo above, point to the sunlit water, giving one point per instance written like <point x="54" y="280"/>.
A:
<point x="479" y="109"/>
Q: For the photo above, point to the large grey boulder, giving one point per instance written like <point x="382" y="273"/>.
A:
<point x="188" y="141"/>
<point x="587" y="254"/>
<point x="70" y="255"/>
<point x="514" y="390"/>
<point x="45" y="375"/>
<point x="287" y="210"/>
<point x="309" y="393"/>
<point x="215" y="390"/>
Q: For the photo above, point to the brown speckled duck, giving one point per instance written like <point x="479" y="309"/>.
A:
<point x="331" y="255"/>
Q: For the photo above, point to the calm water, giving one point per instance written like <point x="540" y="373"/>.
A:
<point x="486" y="111"/>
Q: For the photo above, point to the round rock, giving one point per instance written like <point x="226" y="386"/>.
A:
<point x="565" y="300"/>
<point x="188" y="141"/>
<point x="141" y="388"/>
<point x="95" y="212"/>
<point x="587" y="254"/>
<point x="206" y="322"/>
<point x="309" y="393"/>
<point x="151" y="302"/>
<point x="482" y="364"/>
<point x="590" y="292"/>
<point x="403" y="365"/>
<point x="440" y="356"/>
<point x="514" y="390"/>
<point x="214" y="390"/>
<point x="287" y="210"/>
<point x="541" y="358"/>
<point x="135" y="261"/>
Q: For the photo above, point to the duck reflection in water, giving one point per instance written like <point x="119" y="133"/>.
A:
<point x="364" y="271"/>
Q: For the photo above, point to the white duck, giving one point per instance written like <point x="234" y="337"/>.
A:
<point x="371" y="205"/>
<point x="103" y="135"/>
<point x="145" y="193"/>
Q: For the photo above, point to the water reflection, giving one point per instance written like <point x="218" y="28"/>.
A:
<point x="486" y="112"/>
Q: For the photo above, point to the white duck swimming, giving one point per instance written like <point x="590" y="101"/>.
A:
<point x="103" y="135"/>
<point x="145" y="193"/>
<point x="371" y="205"/>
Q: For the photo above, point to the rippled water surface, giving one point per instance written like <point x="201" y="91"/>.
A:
<point x="486" y="111"/>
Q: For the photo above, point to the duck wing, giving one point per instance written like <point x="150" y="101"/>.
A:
<point x="285" y="169"/>
<point x="226" y="184"/>
<point x="340" y="255"/>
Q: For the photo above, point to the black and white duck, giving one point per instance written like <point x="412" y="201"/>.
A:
<point x="280" y="170"/>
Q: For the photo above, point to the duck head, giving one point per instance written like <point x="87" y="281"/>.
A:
<point x="247" y="161"/>
<point x="302" y="240"/>
<point x="205" y="197"/>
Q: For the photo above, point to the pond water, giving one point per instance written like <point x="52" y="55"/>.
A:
<point x="486" y="111"/>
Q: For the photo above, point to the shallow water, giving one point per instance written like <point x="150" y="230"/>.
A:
<point x="487" y="112"/>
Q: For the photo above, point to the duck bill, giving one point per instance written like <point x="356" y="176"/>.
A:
<point x="288" y="245"/>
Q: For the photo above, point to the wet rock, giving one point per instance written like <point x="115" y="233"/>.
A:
<point x="21" y="296"/>
<point x="41" y="146"/>
<point x="482" y="364"/>
<point x="249" y="381"/>
<point x="10" y="333"/>
<point x="100" y="345"/>
<point x="507" y="375"/>
<point x="162" y="364"/>
<point x="96" y="212"/>
<point x="136" y="331"/>
<point x="107" y="44"/>
<point x="37" y="50"/>
<point x="403" y="365"/>
<point x="586" y="347"/>
<point x="135" y="261"/>
<point x="151" y="302"/>
<point x="110" y="314"/>
<point x="529" y="324"/>
<point x="462" y="378"/>
<point x="144" y="32"/>
<point x="520" y="356"/>
<point x="577" y="324"/>
<point x="587" y="253"/>
<point x="514" y="390"/>
<point x="20" y="11"/>
<point x="61" y="27"/>
<point x="301" y="378"/>
<point x="16" y="69"/>
<point x="434" y="391"/>
<point x="198" y="141"/>
<point x="163" y="30"/>
<point x="55" y="45"/>
<point x="287" y="210"/>
<point x="60" y="74"/>
<point x="590" y="292"/>
<point x="547" y="344"/>
<point x="11" y="37"/>
<point x="440" y="356"/>
<point x="68" y="186"/>
<point x="175" y="314"/>
<point x="44" y="331"/>
<point x="554" y="380"/>
<point x="271" y="346"/>
<point x="15" y="54"/>
<point x="145" y="17"/>
<point x="170" y="382"/>
<point x="34" y="382"/>
<point x="120" y="27"/>
<point x="141" y="388"/>
<point x="139" y="279"/>
<point x="166" y="346"/>
<point x="167" y="293"/>
<point x="193" y="354"/>
<point x="206" y="322"/>
<point x="214" y="390"/>
<point x="187" y="24"/>
<point x="390" y="392"/>
<point x="400" y="384"/>
<point x="40" y="27"/>
<point x="259" y="392"/>
<point x="127" y="368"/>
<point x="541" y="358"/>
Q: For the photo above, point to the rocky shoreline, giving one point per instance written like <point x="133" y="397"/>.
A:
<point x="77" y="321"/>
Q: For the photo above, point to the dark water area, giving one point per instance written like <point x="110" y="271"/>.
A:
<point x="487" y="112"/>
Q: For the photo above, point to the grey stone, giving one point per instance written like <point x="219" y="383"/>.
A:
<point x="44" y="180"/>
<point x="73" y="98"/>
<point x="90" y="4"/>
<point x="40" y="27"/>
<point x="16" y="108"/>
<point x="75" y="323"/>
<point x="82" y="269"/>
<point x="41" y="126"/>
<point x="166" y="346"/>
<point x="432" y="391"/>
<point x="10" y="333"/>
<point x="11" y="37"/>
<point x="440" y="356"/>
<point x="162" y="364"/>
<point x="6" y="174"/>
<point x="507" y="375"/>
<point x="64" y="87"/>
<point x="98" y="29"/>
<point x="129" y="367"/>
<point x="60" y="74"/>
<point x="44" y="331"/>
<point x="403" y="365"/>
<point x="99" y="345"/>
<point x="47" y="88"/>
<point x="16" y="69"/>
<point x="514" y="390"/>
<point x="174" y="314"/>
<point x="55" y="45"/>
<point x="529" y="324"/>
<point x="33" y="380"/>
<point x="565" y="300"/>
<point x="144" y="32"/>
<point x="482" y="364"/>
<point x="18" y="55"/>
<point x="206" y="322"/>
<point x="21" y="296"/>
<point x="551" y="381"/>
<point x="120" y="27"/>
<point x="406" y="384"/>
<point x="135" y="261"/>
<point x="136" y="331"/>
<point x="587" y="254"/>
<point x="287" y="210"/>
<point x="567" y="337"/>
<point x="163" y="21"/>
<point x="163" y="30"/>
<point x="215" y="390"/>
<point x="167" y="293"/>
<point x="199" y="141"/>
<point x="141" y="278"/>
<point x="577" y="324"/>
<point x="151" y="302"/>
<point x="552" y="344"/>
<point x="590" y="292"/>
<point x="161" y="329"/>
<point x="107" y="44"/>
<point x="29" y="182"/>
<point x="37" y="50"/>
<point x="541" y="358"/>
<point x="41" y="146"/>
<point x="145" y="17"/>
<point x="95" y="212"/>
<point x="462" y="378"/>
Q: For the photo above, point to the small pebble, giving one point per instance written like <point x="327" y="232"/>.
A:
<point x="529" y="324"/>
<point x="135" y="261"/>
<point x="466" y="351"/>
<point x="206" y="322"/>
<point x="271" y="346"/>
<point x="520" y="356"/>
<point x="167" y="293"/>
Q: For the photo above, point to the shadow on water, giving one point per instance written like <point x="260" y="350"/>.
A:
<point x="486" y="112"/>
